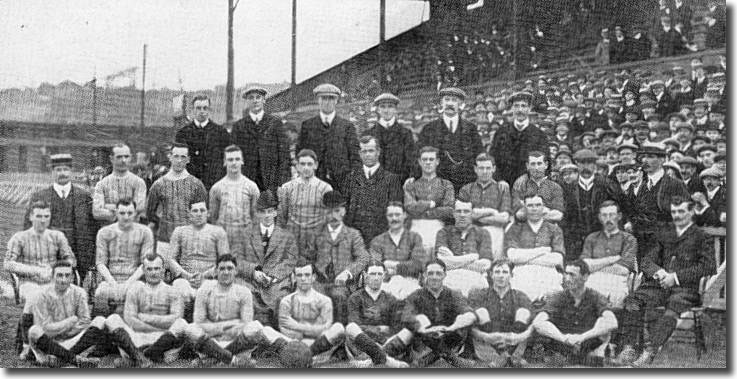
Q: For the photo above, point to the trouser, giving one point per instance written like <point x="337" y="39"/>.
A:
<point x="676" y="301"/>
<point x="429" y="348"/>
<point x="573" y="355"/>
<point x="66" y="349"/>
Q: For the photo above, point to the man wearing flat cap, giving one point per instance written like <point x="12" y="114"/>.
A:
<point x="268" y="260"/>
<point x="264" y="142"/>
<point x="205" y="141"/>
<point x="664" y="103"/>
<point x="619" y="48"/>
<point x="339" y="255"/>
<point x="458" y="140"/>
<point x="398" y="150"/>
<point x="332" y="138"/>
<point x="515" y="140"/>
<point x="690" y="169"/>
<point x="650" y="200"/>
<point x="71" y="212"/>
<point x="711" y="205"/>
<point x="582" y="200"/>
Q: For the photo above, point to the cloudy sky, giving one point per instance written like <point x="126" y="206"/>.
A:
<point x="53" y="41"/>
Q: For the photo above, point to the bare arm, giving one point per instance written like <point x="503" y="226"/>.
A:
<point x="100" y="210"/>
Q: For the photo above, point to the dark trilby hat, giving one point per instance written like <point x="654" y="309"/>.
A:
<point x="333" y="199"/>
<point x="267" y="200"/>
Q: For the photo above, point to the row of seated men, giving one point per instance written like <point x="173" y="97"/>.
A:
<point x="679" y="257"/>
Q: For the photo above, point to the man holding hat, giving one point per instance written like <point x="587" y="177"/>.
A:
<point x="582" y="200"/>
<point x="332" y="138"/>
<point x="395" y="141"/>
<point x="264" y="142"/>
<point x="339" y="255"/>
<point x="458" y="140"/>
<point x="513" y="141"/>
<point x="711" y="205"/>
<point x="268" y="260"/>
<point x="71" y="212"/>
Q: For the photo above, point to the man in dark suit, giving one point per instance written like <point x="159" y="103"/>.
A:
<point x="398" y="150"/>
<point x="619" y="48"/>
<point x="711" y="205"/>
<point x="264" y="142"/>
<point x="369" y="190"/>
<point x="513" y="141"/>
<point x="458" y="140"/>
<point x="206" y="141"/>
<point x="641" y="45"/>
<point x="672" y="268"/>
<point x="664" y="103"/>
<point x="71" y="212"/>
<point x="670" y="41"/>
<point x="269" y="258"/>
<point x="332" y="138"/>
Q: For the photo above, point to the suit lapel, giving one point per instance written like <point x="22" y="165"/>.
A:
<point x="256" y="242"/>
<point x="275" y="237"/>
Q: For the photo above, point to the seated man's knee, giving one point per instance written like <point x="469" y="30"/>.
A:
<point x="181" y="328"/>
<point x="98" y="322"/>
<point x="114" y="321"/>
<point x="353" y="330"/>
<point x="335" y="332"/>
<point x="252" y="328"/>
<point x="35" y="333"/>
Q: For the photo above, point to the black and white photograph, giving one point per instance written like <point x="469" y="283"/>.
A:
<point x="360" y="184"/>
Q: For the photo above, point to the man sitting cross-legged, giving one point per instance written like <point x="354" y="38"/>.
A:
<point x="372" y="317"/>
<point x="120" y="250"/>
<point x="576" y="321"/>
<point x="152" y="322"/>
<point x="194" y="250"/>
<point x="536" y="248"/>
<point x="223" y="324"/>
<point x="62" y="329"/>
<point x="307" y="315"/>
<point x="440" y="318"/>
<point x="501" y="336"/>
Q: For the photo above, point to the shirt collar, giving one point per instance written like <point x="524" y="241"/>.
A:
<point x="269" y="231"/>
<point x="257" y="117"/>
<point x="586" y="184"/>
<point x="336" y="230"/>
<point x="201" y="125"/>
<point x="656" y="176"/>
<point x="387" y="124"/>
<point x="447" y="120"/>
<point x="713" y="192"/>
<point x="327" y="117"/>
<point x="679" y="232"/>
<point x="66" y="188"/>
<point x="535" y="226"/>
<point x="609" y="235"/>
<point x="368" y="171"/>
<point x="522" y="125"/>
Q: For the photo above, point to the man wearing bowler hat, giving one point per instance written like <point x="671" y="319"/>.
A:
<point x="458" y="140"/>
<point x="71" y="212"/>
<point x="333" y="139"/>
<point x="264" y="142"/>
<point x="398" y="150"/>
<point x="513" y="142"/>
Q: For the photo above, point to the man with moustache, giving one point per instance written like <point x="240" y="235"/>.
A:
<point x="369" y="190"/>
<point x="582" y="200"/>
<point x="690" y="174"/>
<point x="513" y="142"/>
<point x="71" y="212"/>
<point x="536" y="181"/>
<point x="399" y="249"/>
<point x="464" y="245"/>
<point x="649" y="209"/>
<point x="458" y="140"/>
<point x="711" y="205"/>
<point x="233" y="200"/>
<point x="333" y="139"/>
<point x="398" y="150"/>
<point x="678" y="257"/>
<point x="263" y="141"/>
<point x="205" y="140"/>
<point x="121" y="184"/>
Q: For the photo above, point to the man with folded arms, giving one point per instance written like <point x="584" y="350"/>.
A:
<point x="399" y="248"/>
<point x="464" y="245"/>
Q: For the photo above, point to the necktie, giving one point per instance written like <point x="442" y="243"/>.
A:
<point x="650" y="184"/>
<point x="63" y="194"/>
<point x="451" y="126"/>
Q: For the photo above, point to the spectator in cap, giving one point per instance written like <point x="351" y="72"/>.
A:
<point x="619" y="47"/>
<point x="398" y="150"/>
<point x="627" y="153"/>
<point x="71" y="212"/>
<point x="650" y="200"/>
<point x="457" y="139"/>
<point x="567" y="174"/>
<point x="601" y="53"/>
<point x="562" y="127"/>
<point x="563" y="157"/>
<point x="664" y="103"/>
<point x="642" y="134"/>
<point x="670" y="42"/>
<point x="369" y="190"/>
<point x="686" y="94"/>
<point x="672" y="169"/>
<point x="268" y="259"/>
<point x="640" y="44"/>
<point x="716" y="23"/>
<point x="699" y="80"/>
<point x="684" y="133"/>
<point x="690" y="169"/>
<point x="706" y="154"/>
<point x="264" y="142"/>
<point x="300" y="200"/>
<point x="627" y="134"/>
<point x="622" y="178"/>
<point x="206" y="141"/>
<point x="696" y="142"/>
<point x="582" y="200"/>
<point x="331" y="137"/>
<point x="700" y="112"/>
<point x="339" y="254"/>
<point x="515" y="140"/>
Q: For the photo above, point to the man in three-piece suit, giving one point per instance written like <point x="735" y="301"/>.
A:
<point x="206" y="141"/>
<point x="71" y="212"/>
<point x="680" y="255"/>
<point x="332" y="138"/>
<point x="369" y="190"/>
<point x="398" y="151"/>
<point x="264" y="142"/>
<point x="458" y="140"/>
<point x="269" y="258"/>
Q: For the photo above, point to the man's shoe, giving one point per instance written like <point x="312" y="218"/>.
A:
<point x="647" y="357"/>
<point x="362" y="363"/>
<point x="626" y="356"/>
<point x="242" y="360"/>
<point x="395" y="363"/>
<point x="84" y="362"/>
<point x="124" y="362"/>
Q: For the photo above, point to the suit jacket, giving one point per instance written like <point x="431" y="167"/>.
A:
<point x="699" y="88"/>
<point x="368" y="198"/>
<point x="690" y="256"/>
<point x="205" y="151"/>
<point x="347" y="252"/>
<point x="665" y="105"/>
<point x="82" y="240"/>
<point x="458" y="150"/>
<point x="717" y="205"/>
<point x="670" y="42"/>
<point x="398" y="150"/>
<point x="510" y="148"/>
<point x="277" y="261"/>
<point x="266" y="158"/>
<point x="619" y="52"/>
<point x="336" y="147"/>
<point x="581" y="219"/>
